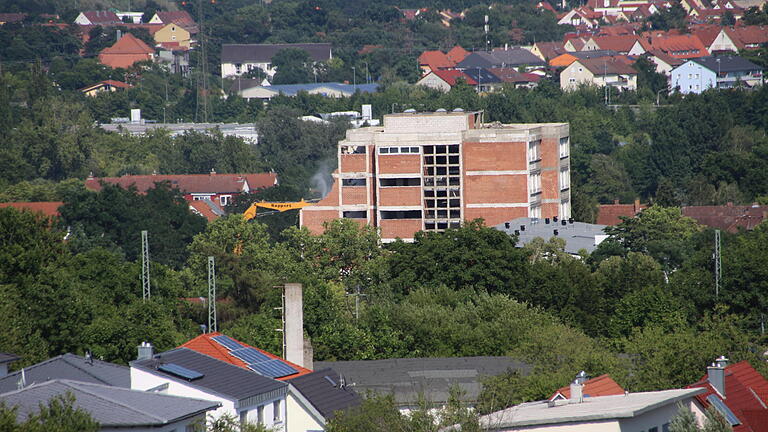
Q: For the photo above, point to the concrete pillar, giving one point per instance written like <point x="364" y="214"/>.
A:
<point x="294" y="324"/>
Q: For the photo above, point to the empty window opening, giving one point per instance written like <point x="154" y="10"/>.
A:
<point x="355" y="214"/>
<point x="388" y="182"/>
<point x="401" y="214"/>
<point x="353" y="182"/>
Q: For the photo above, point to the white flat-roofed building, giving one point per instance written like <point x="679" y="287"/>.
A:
<point x="645" y="411"/>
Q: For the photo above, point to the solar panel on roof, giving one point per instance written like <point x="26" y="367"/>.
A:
<point x="273" y="368"/>
<point x="724" y="410"/>
<point x="180" y="371"/>
<point x="227" y="342"/>
<point x="250" y="355"/>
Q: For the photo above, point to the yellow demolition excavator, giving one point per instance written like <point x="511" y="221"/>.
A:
<point x="250" y="213"/>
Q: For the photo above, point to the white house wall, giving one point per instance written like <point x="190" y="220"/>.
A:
<point x="179" y="426"/>
<point x="594" y="426"/>
<point x="300" y="420"/>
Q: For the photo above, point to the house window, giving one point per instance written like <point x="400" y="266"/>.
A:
<point x="533" y="150"/>
<point x="565" y="179"/>
<point x="534" y="212"/>
<point x="173" y="37"/>
<point x="389" y="182"/>
<point x="564" y="147"/>
<point x="401" y="214"/>
<point x="534" y="183"/>
<point x="225" y="199"/>
<point x="260" y="414"/>
<point x="565" y="209"/>
<point x="276" y="411"/>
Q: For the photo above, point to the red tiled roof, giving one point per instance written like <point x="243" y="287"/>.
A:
<point x="620" y="44"/>
<point x="457" y="54"/>
<point x="435" y="60"/>
<point x="679" y="46"/>
<point x="190" y="183"/>
<point x="102" y="17"/>
<point x="619" y="65"/>
<point x="550" y="50"/>
<point x="48" y="208"/>
<point x="728" y="217"/>
<point x="182" y="18"/>
<point x="125" y="52"/>
<point x="450" y="76"/>
<point x="545" y="5"/>
<point x="512" y="76"/>
<point x="608" y="214"/>
<point x="748" y="35"/>
<point x="205" y="345"/>
<point x="203" y="209"/>
<point x="603" y="385"/>
<point x="745" y="395"/>
<point x="12" y="17"/>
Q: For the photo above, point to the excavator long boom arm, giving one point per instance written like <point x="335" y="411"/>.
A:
<point x="279" y="206"/>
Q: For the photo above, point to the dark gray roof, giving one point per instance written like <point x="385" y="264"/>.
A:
<point x="500" y="58"/>
<point x="71" y="367"/>
<point x="482" y="76"/>
<point x="8" y="358"/>
<point x="110" y="406"/>
<point x="726" y="63"/>
<point x="262" y="53"/>
<point x="577" y="235"/>
<point x="219" y="377"/>
<point x="323" y="390"/>
<point x="433" y="378"/>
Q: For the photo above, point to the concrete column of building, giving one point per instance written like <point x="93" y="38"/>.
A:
<point x="294" y="324"/>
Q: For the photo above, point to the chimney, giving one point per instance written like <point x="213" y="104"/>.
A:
<point x="119" y="34"/>
<point x="146" y="351"/>
<point x="637" y="205"/>
<point x="294" y="324"/>
<point x="615" y="202"/>
<point x="716" y="375"/>
<point x="577" y="392"/>
<point x="309" y="354"/>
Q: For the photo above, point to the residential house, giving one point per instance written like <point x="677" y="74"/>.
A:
<point x="664" y="63"/>
<point x="621" y="44"/>
<point x="47" y="208"/>
<point x="548" y="50"/>
<point x="413" y="380"/>
<point x="611" y="214"/>
<point x="237" y="59"/>
<point x="126" y="52"/>
<point x="578" y="236"/>
<point x="748" y="37"/>
<point x="312" y="398"/>
<point x="173" y="58"/>
<point x="565" y="60"/>
<point x="174" y="36"/>
<point x="241" y="393"/>
<point x="444" y="80"/>
<point x="434" y="60"/>
<point x="114" y="409"/>
<point x="12" y="18"/>
<point x="218" y="188"/>
<point x="249" y="89"/>
<point x="738" y="392"/>
<point x="325" y="393"/>
<point x="581" y="17"/>
<point x="104" y="86"/>
<point x="685" y="46"/>
<point x="573" y="44"/>
<point x="180" y="18"/>
<point x="700" y="74"/>
<point x="715" y="38"/>
<point x="731" y="218"/>
<point x="5" y="360"/>
<point x="68" y="367"/>
<point x="133" y="17"/>
<point x="602" y="385"/>
<point x="486" y="81"/>
<point x="100" y="18"/>
<point x="515" y="78"/>
<point x="512" y="57"/>
<point x="605" y="71"/>
<point x="631" y="411"/>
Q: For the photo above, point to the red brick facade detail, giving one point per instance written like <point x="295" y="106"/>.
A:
<point x="495" y="156"/>
<point x="400" y="196"/>
<point x="353" y="163"/>
<point x="496" y="189"/>
<point x="399" y="228"/>
<point x="495" y="216"/>
<point x="351" y="195"/>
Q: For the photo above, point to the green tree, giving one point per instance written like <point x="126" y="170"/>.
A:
<point x="294" y="66"/>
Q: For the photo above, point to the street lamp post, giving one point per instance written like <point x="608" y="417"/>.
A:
<point x="354" y="79"/>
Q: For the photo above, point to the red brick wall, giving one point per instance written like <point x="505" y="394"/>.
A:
<point x="550" y="184"/>
<point x="352" y="163"/>
<point x="402" y="228"/>
<point x="549" y="210"/>
<point x="495" y="156"/>
<point x="400" y="196"/>
<point x="495" y="216"/>
<point x="399" y="164"/>
<point x="495" y="189"/>
<point x="353" y="195"/>
<point x="313" y="219"/>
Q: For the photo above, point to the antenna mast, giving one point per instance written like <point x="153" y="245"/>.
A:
<point x="145" y="266"/>
<point x="487" y="42"/>
<point x="202" y="80"/>
<point x="718" y="264"/>
<point x="211" y="295"/>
